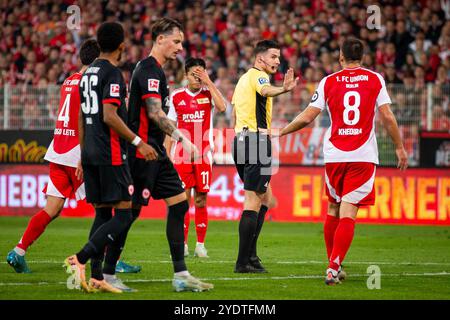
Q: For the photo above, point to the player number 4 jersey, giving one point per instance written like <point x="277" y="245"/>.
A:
<point x="64" y="148"/>
<point x="352" y="97"/>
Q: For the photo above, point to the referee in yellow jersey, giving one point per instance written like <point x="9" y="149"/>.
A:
<point x="252" y="150"/>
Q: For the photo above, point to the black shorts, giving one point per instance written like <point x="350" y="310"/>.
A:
<point x="156" y="179"/>
<point x="252" y="155"/>
<point x="107" y="184"/>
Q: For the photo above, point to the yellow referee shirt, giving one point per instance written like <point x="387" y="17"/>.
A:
<point x="252" y="109"/>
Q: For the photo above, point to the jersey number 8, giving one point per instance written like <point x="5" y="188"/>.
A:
<point x="90" y="106"/>
<point x="354" y="107"/>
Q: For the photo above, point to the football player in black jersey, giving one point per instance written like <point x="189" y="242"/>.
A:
<point x="103" y="142"/>
<point x="147" y="109"/>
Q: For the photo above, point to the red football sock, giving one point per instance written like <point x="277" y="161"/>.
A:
<point x="187" y="220"/>
<point x="201" y="223"/>
<point x="329" y="228"/>
<point x="342" y="241"/>
<point x="35" y="228"/>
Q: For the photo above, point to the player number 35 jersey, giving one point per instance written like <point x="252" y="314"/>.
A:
<point x="352" y="97"/>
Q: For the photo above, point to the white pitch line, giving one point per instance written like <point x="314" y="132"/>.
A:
<point x="276" y="262"/>
<point x="426" y="274"/>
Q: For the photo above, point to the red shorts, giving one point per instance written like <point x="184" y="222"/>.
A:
<point x="63" y="183"/>
<point x="195" y="175"/>
<point x="352" y="182"/>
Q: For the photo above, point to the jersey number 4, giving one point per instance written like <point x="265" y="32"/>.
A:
<point x="65" y="111"/>
<point x="351" y="107"/>
<point x="90" y="104"/>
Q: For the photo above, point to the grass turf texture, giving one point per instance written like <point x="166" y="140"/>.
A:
<point x="414" y="262"/>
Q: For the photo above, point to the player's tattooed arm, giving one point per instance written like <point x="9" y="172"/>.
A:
<point x="155" y="113"/>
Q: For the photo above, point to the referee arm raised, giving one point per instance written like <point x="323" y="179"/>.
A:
<point x="252" y="150"/>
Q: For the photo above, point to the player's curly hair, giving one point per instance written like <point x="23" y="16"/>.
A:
<point x="89" y="51"/>
<point x="109" y="36"/>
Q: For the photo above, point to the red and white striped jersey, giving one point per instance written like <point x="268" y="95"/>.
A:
<point x="193" y="114"/>
<point x="65" y="148"/>
<point x="352" y="97"/>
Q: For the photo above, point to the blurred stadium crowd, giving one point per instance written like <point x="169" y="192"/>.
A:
<point x="411" y="49"/>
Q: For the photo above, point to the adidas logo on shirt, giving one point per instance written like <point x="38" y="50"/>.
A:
<point x="182" y="103"/>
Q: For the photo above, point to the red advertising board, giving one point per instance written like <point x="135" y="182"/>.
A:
<point x="416" y="196"/>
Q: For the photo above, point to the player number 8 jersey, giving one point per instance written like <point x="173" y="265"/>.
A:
<point x="352" y="97"/>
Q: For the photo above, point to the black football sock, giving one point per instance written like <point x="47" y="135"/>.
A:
<point x="259" y="224"/>
<point x="102" y="215"/>
<point x="175" y="234"/>
<point x="97" y="266"/>
<point x="105" y="234"/>
<point x="247" y="227"/>
<point x="114" y="250"/>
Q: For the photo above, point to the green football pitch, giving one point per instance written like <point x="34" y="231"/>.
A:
<point x="414" y="263"/>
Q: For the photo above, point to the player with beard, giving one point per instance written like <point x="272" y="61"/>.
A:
<point x="252" y="151"/>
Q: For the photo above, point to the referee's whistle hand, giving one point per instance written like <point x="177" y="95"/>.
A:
<point x="147" y="151"/>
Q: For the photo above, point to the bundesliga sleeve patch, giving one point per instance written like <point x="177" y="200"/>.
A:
<point x="263" y="80"/>
<point x="114" y="90"/>
<point x="153" y="85"/>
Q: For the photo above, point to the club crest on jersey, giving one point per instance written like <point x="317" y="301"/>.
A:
<point x="145" y="193"/>
<point x="153" y="85"/>
<point x="114" y="90"/>
<point x="131" y="189"/>
<point x="315" y="96"/>
<point x="263" y="80"/>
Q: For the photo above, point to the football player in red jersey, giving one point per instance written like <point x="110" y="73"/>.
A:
<point x="191" y="108"/>
<point x="65" y="177"/>
<point x="352" y="96"/>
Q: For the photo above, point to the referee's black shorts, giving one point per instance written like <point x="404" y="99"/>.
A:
<point x="252" y="155"/>
<point x="107" y="184"/>
<point x="157" y="179"/>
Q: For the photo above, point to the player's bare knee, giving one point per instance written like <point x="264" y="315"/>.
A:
<point x="54" y="206"/>
<point x="122" y="205"/>
<point x="333" y="209"/>
<point x="200" y="200"/>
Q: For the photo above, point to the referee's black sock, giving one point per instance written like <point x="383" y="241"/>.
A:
<point x="259" y="224"/>
<point x="105" y="234"/>
<point x="102" y="215"/>
<point x="114" y="250"/>
<point x="247" y="227"/>
<point x="175" y="234"/>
